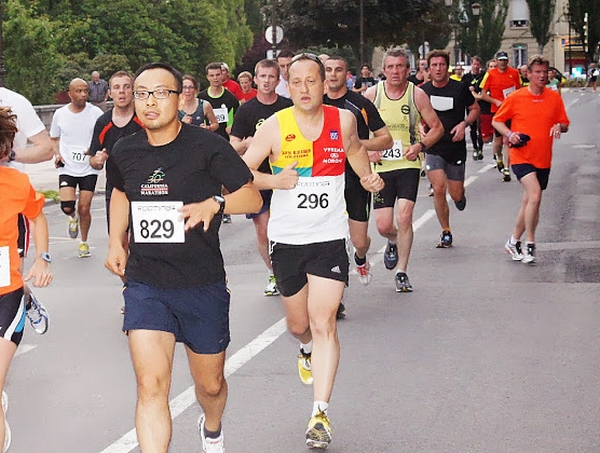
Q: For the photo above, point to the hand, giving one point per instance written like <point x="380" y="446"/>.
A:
<point x="555" y="131"/>
<point x="59" y="161"/>
<point x="458" y="131"/>
<point x="287" y="178"/>
<point x="412" y="152"/>
<point x="187" y="119"/>
<point x="197" y="213"/>
<point x="116" y="260"/>
<point x="372" y="182"/>
<point x="513" y="138"/>
<point x="98" y="159"/>
<point x="374" y="156"/>
<point x="40" y="272"/>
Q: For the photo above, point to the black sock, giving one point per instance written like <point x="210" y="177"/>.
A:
<point x="212" y="434"/>
<point x="359" y="261"/>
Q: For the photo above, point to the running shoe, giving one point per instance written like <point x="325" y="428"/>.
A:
<point x="210" y="445"/>
<point x="445" y="240"/>
<point x="226" y="218"/>
<point x="423" y="174"/>
<point x="341" y="311"/>
<point x="37" y="315"/>
<point x="529" y="255"/>
<point x="84" y="250"/>
<point x="364" y="273"/>
<point x="506" y="175"/>
<point x="479" y="154"/>
<point x="475" y="154"/>
<point x="304" y="368"/>
<point x="73" y="227"/>
<point x="430" y="190"/>
<point x="123" y="310"/>
<point x="271" y="288"/>
<point x="7" y="433"/>
<point x="402" y="283"/>
<point x="514" y="250"/>
<point x="390" y="256"/>
<point x="318" y="434"/>
<point x="499" y="164"/>
<point x="461" y="204"/>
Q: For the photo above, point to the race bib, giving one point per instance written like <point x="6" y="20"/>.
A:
<point x="507" y="91"/>
<point x="394" y="153"/>
<point x="157" y="222"/>
<point x="442" y="103"/>
<point x="78" y="156"/>
<point x="221" y="114"/>
<point x="312" y="196"/>
<point x="4" y="266"/>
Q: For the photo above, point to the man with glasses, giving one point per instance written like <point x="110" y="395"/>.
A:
<point x="403" y="107"/>
<point x="307" y="145"/>
<point x="167" y="179"/>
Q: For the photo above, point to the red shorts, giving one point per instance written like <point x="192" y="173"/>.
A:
<point x="487" y="130"/>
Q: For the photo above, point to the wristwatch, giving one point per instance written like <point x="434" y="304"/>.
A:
<point x="46" y="257"/>
<point x="12" y="155"/>
<point x="423" y="147"/>
<point x="219" y="199"/>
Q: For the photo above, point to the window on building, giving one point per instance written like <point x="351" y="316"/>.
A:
<point x="519" y="14"/>
<point x="519" y="55"/>
<point x="523" y="23"/>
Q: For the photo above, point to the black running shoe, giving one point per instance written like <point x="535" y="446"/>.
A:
<point x="445" y="240"/>
<point x="402" y="283"/>
<point x="341" y="311"/>
<point x="461" y="204"/>
<point x="390" y="256"/>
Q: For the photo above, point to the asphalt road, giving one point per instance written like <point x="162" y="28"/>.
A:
<point x="487" y="355"/>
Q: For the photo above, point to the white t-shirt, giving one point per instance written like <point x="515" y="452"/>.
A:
<point x="75" y="131"/>
<point x="28" y="123"/>
<point x="281" y="89"/>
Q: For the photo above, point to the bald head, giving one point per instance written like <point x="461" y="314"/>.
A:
<point x="78" y="93"/>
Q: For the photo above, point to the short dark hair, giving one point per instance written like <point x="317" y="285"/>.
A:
<point x="477" y="58"/>
<point x="267" y="63"/>
<point x="285" y="53"/>
<point x="213" y="65"/>
<point x="396" y="52"/>
<point x="438" y="53"/>
<point x="537" y="59"/>
<point x="166" y="67"/>
<point x="342" y="59"/>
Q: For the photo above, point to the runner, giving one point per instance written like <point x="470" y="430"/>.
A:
<point x="193" y="110"/>
<point x="167" y="179"/>
<point x="538" y="117"/>
<point x="403" y="107"/>
<point x="307" y="145"/>
<point x="250" y="116"/>
<point x="358" y="200"/>
<point x="472" y="79"/>
<point x="224" y="103"/>
<point x="500" y="82"/>
<point x="71" y="131"/>
<point x="446" y="159"/>
<point x="17" y="196"/>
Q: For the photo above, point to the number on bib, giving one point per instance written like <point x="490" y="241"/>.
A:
<point x="157" y="222"/>
<point x="4" y="266"/>
<point x="394" y="153"/>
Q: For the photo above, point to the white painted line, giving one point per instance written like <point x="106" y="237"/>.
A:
<point x="25" y="348"/>
<point x="187" y="398"/>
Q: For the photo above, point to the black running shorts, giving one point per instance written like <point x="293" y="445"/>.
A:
<point x="12" y="316"/>
<point x="398" y="184"/>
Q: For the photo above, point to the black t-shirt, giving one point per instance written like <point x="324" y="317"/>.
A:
<point x="363" y="81"/>
<point x="472" y="80"/>
<point x="450" y="103"/>
<point x="415" y="80"/>
<point x="226" y="102"/>
<point x="250" y="117"/>
<point x="106" y="134"/>
<point x="190" y="169"/>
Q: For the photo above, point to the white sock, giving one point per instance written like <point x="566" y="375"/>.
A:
<point x="320" y="406"/>
<point x="306" y="348"/>
<point x="513" y="241"/>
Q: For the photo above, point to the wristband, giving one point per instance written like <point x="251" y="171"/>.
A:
<point x="509" y="134"/>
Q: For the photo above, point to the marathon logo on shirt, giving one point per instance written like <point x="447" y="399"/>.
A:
<point x="335" y="155"/>
<point x="154" y="185"/>
<point x="296" y="154"/>
<point x="334" y="135"/>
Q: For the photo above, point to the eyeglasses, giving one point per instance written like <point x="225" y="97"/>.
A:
<point x="158" y="94"/>
<point x="308" y="56"/>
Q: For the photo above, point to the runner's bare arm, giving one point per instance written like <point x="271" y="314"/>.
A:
<point x="40" y="270"/>
<point x="382" y="139"/>
<point x="119" y="220"/>
<point x="41" y="151"/>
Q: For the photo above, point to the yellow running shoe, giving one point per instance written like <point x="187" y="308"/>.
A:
<point x="304" y="368"/>
<point x="318" y="434"/>
<point x="84" y="250"/>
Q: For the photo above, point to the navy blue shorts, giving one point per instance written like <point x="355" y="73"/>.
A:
<point x="198" y="317"/>
<point x="543" y="174"/>
<point x="266" y="196"/>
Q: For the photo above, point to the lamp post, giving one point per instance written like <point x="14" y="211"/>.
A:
<point x="362" y="32"/>
<point x="476" y="11"/>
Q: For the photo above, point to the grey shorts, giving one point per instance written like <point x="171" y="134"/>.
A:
<point x="454" y="172"/>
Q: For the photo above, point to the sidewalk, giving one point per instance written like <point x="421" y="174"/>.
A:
<point x="44" y="177"/>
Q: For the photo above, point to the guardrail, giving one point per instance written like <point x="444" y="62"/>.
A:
<point x="46" y="112"/>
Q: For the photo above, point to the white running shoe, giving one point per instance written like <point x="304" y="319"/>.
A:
<point x="514" y="250"/>
<point x="38" y="315"/>
<point x="210" y="445"/>
<point x="73" y="227"/>
<point x="364" y="273"/>
<point x="271" y="288"/>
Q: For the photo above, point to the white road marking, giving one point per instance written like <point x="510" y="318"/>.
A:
<point x="25" y="348"/>
<point x="187" y="398"/>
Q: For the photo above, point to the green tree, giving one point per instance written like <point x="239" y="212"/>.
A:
<point x="482" y="35"/>
<point x="577" y="10"/>
<point x="541" y="13"/>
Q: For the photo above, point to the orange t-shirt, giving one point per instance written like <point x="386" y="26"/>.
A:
<point x="17" y="196"/>
<point x="533" y="115"/>
<point x="500" y="84"/>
